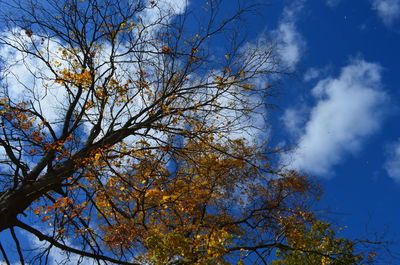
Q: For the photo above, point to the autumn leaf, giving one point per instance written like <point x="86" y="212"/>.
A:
<point x="166" y="50"/>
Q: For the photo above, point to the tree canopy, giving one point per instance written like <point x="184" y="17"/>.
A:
<point x="126" y="139"/>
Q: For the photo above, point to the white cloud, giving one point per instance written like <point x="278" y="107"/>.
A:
<point x="26" y="77"/>
<point x="290" y="42"/>
<point x="56" y="255"/>
<point x="162" y="11"/>
<point x="291" y="12"/>
<point x="315" y="73"/>
<point x="388" y="10"/>
<point x="271" y="52"/>
<point x="294" y="120"/>
<point x="349" y="109"/>
<point x="22" y="72"/>
<point x="392" y="164"/>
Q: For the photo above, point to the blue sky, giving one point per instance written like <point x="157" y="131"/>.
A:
<point x="339" y="112"/>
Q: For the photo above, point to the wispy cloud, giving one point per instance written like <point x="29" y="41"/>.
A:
<point x="312" y="74"/>
<point x="290" y="42"/>
<point x="294" y="120"/>
<point x="332" y="3"/>
<point x="348" y="110"/>
<point x="388" y="10"/>
<point x="392" y="164"/>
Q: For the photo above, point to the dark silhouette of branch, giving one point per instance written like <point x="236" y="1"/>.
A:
<point x="63" y="247"/>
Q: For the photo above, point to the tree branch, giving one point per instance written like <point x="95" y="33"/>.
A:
<point x="14" y="236"/>
<point x="57" y="244"/>
<point x="3" y="252"/>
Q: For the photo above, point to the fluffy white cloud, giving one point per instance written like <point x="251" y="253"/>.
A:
<point x="349" y="108"/>
<point x="388" y="10"/>
<point x="392" y="164"/>
<point x="290" y="42"/>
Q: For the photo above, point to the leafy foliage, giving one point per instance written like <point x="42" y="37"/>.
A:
<point x="317" y="244"/>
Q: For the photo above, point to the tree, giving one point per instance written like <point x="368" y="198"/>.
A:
<point x="123" y="133"/>
<point x="321" y="245"/>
